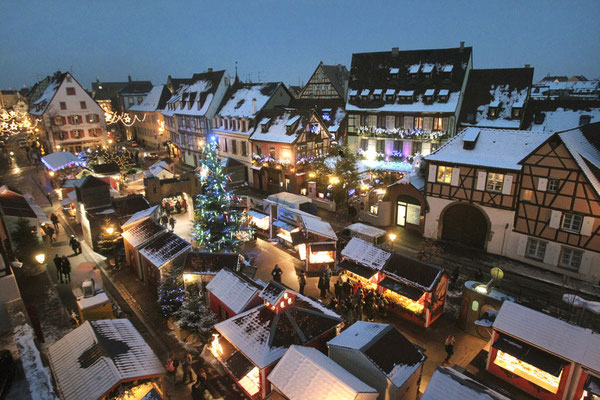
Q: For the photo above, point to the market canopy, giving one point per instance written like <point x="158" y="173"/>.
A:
<point x="61" y="159"/>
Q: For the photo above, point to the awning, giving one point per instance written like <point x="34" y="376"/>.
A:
<point x="60" y="159"/>
<point x="256" y="214"/>
<point x="315" y="247"/>
<point x="283" y="225"/>
<point x="530" y="355"/>
<point x="402" y="289"/>
<point x="298" y="238"/>
<point x="357" y="269"/>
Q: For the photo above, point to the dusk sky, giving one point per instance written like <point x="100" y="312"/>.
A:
<point x="283" y="40"/>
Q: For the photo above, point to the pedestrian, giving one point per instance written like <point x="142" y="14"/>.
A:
<point x="187" y="368"/>
<point x="54" y="220"/>
<point x="321" y="286"/>
<point x="370" y="308"/>
<point x="327" y="274"/>
<point x="58" y="265"/>
<point x="164" y="220"/>
<point x="449" y="346"/>
<point x="199" y="387"/>
<point x="454" y="278"/>
<point x="79" y="247"/>
<point x="50" y="232"/>
<point x="382" y="306"/>
<point x="301" y="281"/>
<point x="337" y="290"/>
<point x="66" y="269"/>
<point x="172" y="223"/>
<point x="346" y="289"/>
<point x="333" y="304"/>
<point x="276" y="273"/>
<point x="74" y="244"/>
<point x="170" y="367"/>
<point x="184" y="205"/>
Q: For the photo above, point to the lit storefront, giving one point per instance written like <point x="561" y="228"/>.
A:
<point x="258" y="220"/>
<point x="284" y="232"/>
<point x="542" y="355"/>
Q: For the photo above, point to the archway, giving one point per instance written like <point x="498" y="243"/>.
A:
<point x="465" y="224"/>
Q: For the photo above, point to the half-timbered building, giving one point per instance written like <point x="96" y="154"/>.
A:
<point x="473" y="184"/>
<point x="404" y="103"/>
<point x="557" y="221"/>
<point x="283" y="142"/>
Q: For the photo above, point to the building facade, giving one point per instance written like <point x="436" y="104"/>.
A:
<point x="149" y="128"/>
<point x="70" y="119"/>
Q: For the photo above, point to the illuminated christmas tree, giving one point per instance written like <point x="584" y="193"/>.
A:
<point x="171" y="294"/>
<point x="217" y="222"/>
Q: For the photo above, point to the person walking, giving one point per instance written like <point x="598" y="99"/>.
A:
<point x="172" y="223"/>
<point x="164" y="220"/>
<point x="58" y="265"/>
<point x="449" y="347"/>
<point x="184" y="205"/>
<point x="66" y="269"/>
<point x="54" y="220"/>
<point x="187" y="368"/>
<point x="321" y="286"/>
<point x="50" y="232"/>
<point x="74" y="244"/>
<point x="301" y="281"/>
<point x="327" y="274"/>
<point x="276" y="273"/>
<point x="346" y="289"/>
<point x="337" y="290"/>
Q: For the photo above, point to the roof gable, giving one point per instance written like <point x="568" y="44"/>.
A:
<point x="336" y="75"/>
<point x="235" y="290"/>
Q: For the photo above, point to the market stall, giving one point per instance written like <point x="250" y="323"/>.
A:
<point x="284" y="231"/>
<point x="174" y="204"/>
<point x="258" y="220"/>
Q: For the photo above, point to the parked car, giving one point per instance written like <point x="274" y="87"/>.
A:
<point x="8" y="370"/>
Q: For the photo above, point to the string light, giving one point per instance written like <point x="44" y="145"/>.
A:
<point x="113" y="117"/>
<point x="14" y="121"/>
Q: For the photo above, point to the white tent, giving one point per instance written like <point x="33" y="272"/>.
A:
<point x="60" y="159"/>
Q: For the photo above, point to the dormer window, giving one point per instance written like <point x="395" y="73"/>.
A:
<point x="538" y="118"/>
<point x="364" y="95"/>
<point x="377" y="94"/>
<point x="585" y="119"/>
<point x="516" y="112"/>
<point x="264" y="125"/>
<point x="443" y="96"/>
<point x="406" y="96"/>
<point x="493" y="109"/>
<point x="413" y="70"/>
<point x="353" y="94"/>
<point x="225" y="123"/>
<point x="394" y="72"/>
<point x="428" y="96"/>
<point x="428" y="70"/>
<point x="447" y="70"/>
<point x="390" y="95"/>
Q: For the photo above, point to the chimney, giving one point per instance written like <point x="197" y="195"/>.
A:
<point x="129" y="78"/>
<point x="395" y="51"/>
<point x="210" y="70"/>
<point x="462" y="46"/>
<point x="253" y="106"/>
<point x="527" y="66"/>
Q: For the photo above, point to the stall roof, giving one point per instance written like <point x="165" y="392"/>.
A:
<point x="15" y="204"/>
<point x="235" y="290"/>
<point x="283" y="225"/>
<point x="366" y="230"/>
<point x="60" y="159"/>
<point x="393" y="354"/>
<point x="256" y="214"/>
<point x="288" y="199"/>
<point x="448" y="383"/>
<point x="90" y="360"/>
<point x="164" y="249"/>
<point x="306" y="373"/>
<point x="560" y="338"/>
<point x="357" y="269"/>
<point x="413" y="272"/>
<point x="365" y="253"/>
<point x="139" y="216"/>
<point x="143" y="232"/>
<point x="319" y="227"/>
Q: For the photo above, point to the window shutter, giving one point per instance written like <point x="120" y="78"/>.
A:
<point x="587" y="226"/>
<point x="82" y="132"/>
<point x="455" y="176"/>
<point x="97" y="118"/>
<point x="542" y="184"/>
<point x="70" y="120"/>
<point x="80" y="118"/>
<point x="521" y="246"/>
<point x="555" y="217"/>
<point x="398" y="121"/>
<point x="552" y="253"/>
<point x="481" y="176"/>
<point x="408" y="123"/>
<point x="586" y="262"/>
<point x="507" y="184"/>
<point x="432" y="172"/>
<point x="73" y="134"/>
<point x="64" y="120"/>
<point x="428" y="124"/>
<point x="87" y="119"/>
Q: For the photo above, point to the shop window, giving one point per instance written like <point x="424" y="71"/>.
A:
<point x="374" y="209"/>
<point x="364" y="144"/>
<point x="408" y="213"/>
<point x="572" y="223"/>
<point x="70" y="91"/>
<point x="419" y="123"/>
<point x="444" y="174"/>
<point x="570" y="258"/>
<point x="553" y="184"/>
<point x="527" y="195"/>
<point x="494" y="182"/>
<point x="536" y="249"/>
<point x="63" y="105"/>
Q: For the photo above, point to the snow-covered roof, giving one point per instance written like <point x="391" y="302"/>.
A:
<point x="234" y="290"/>
<point x="582" y="151"/>
<point x="365" y="92"/>
<point x="318" y="227"/>
<point x="160" y="170"/>
<point x="365" y="253"/>
<point x="448" y="383"/>
<point x="490" y="148"/>
<point x="406" y="93"/>
<point x="139" y="216"/>
<point x="95" y="357"/>
<point x="44" y="100"/>
<point x="562" y="119"/>
<point x="417" y="106"/>
<point x="443" y="92"/>
<point x="506" y="100"/>
<point x="429" y="92"/>
<point x="151" y="101"/>
<point x="60" y="159"/>
<point x="192" y="99"/>
<point x="560" y="338"/>
<point x="142" y="233"/>
<point x="392" y="353"/>
<point x="278" y="129"/>
<point x="241" y="103"/>
<point x="366" y="230"/>
<point x="88" y="302"/>
<point x="264" y="336"/>
<point x="288" y="199"/>
<point x="412" y="178"/>
<point x="164" y="249"/>
<point x="306" y="373"/>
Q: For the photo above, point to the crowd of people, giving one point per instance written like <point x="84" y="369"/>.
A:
<point x="172" y="367"/>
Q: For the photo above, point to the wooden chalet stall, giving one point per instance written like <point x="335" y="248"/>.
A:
<point x="381" y="357"/>
<point x="542" y="355"/>
<point x="452" y="383"/>
<point x="136" y="234"/>
<point x="315" y="243"/>
<point x="415" y="290"/>
<point x="160" y="255"/>
<point x="231" y="293"/>
<point x="250" y="344"/>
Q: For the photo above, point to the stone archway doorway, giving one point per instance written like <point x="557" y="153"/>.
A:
<point x="465" y="224"/>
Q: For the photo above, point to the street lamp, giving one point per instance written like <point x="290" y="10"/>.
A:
<point x="51" y="173"/>
<point x="40" y="258"/>
<point x="110" y="230"/>
<point x="392" y="237"/>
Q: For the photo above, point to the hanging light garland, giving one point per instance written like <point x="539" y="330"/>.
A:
<point x="112" y="117"/>
<point x="14" y="121"/>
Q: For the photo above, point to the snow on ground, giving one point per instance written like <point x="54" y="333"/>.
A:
<point x="38" y="376"/>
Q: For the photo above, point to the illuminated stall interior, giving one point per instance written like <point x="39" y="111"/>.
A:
<point x="258" y="219"/>
<point x="284" y="231"/>
<point x="404" y="296"/>
<point x="591" y="389"/>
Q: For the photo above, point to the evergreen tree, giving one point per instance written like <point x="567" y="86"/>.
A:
<point x="26" y="240"/>
<point x="170" y="294"/>
<point x="217" y="222"/>
<point x="347" y="172"/>
<point x="195" y="316"/>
